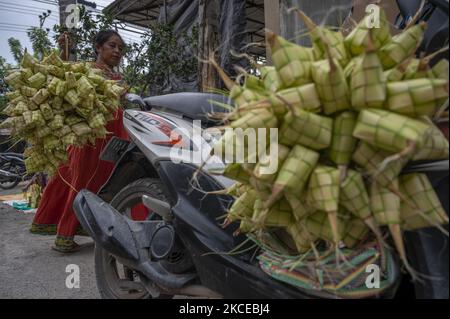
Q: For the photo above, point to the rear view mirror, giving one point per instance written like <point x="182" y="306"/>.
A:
<point x="136" y="99"/>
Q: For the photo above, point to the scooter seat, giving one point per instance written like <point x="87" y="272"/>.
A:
<point x="195" y="106"/>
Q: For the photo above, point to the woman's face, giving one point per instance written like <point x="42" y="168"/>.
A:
<point x="111" y="51"/>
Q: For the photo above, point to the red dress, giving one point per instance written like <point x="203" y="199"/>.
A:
<point x="84" y="171"/>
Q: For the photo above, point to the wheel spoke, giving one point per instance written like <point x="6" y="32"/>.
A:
<point x="113" y="265"/>
<point x="128" y="273"/>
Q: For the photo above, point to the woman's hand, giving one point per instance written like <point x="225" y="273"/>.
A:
<point x="62" y="40"/>
<point x="65" y="44"/>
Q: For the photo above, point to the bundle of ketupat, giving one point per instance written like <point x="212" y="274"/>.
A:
<point x="350" y="116"/>
<point x="33" y="195"/>
<point x="55" y="104"/>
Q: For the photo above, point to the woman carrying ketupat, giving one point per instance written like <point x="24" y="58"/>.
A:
<point x="84" y="170"/>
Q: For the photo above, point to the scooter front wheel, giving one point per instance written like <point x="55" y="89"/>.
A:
<point x="10" y="183"/>
<point x="7" y="185"/>
<point x="114" y="280"/>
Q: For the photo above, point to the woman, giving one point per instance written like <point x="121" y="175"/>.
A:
<point x="84" y="169"/>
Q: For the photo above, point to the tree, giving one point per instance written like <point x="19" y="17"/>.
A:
<point x="148" y="65"/>
<point x="16" y="49"/>
<point x="161" y="54"/>
<point x="39" y="37"/>
<point x="4" y="68"/>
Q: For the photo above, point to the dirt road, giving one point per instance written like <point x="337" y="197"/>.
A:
<point x="30" y="269"/>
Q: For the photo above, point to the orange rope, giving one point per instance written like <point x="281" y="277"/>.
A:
<point x="98" y="165"/>
<point x="67" y="183"/>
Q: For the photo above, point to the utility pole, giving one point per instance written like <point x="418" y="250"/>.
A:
<point x="63" y="18"/>
<point x="272" y="17"/>
<point x="207" y="44"/>
<point x="63" y="15"/>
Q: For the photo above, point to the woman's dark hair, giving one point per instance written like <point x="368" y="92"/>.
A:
<point x="103" y="36"/>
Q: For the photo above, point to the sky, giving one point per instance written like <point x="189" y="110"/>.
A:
<point x="16" y="17"/>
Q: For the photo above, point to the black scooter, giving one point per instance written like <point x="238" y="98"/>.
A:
<point x="12" y="170"/>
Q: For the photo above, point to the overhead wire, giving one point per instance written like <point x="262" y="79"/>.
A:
<point x="21" y="5"/>
<point x="24" y="12"/>
<point x="27" y="12"/>
<point x="32" y="10"/>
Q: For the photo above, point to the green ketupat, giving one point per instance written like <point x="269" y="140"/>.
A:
<point x="14" y="80"/>
<point x="12" y="95"/>
<point x="416" y="98"/>
<point x="303" y="97"/>
<point x="266" y="160"/>
<point x="399" y="72"/>
<point x="307" y="129"/>
<point x="294" y="173"/>
<point x="426" y="209"/>
<point x="28" y="61"/>
<point x="279" y="215"/>
<point x="331" y="86"/>
<point x="46" y="111"/>
<point x="302" y="237"/>
<point x="386" y="207"/>
<point x="323" y="194"/>
<point x="371" y="160"/>
<point x="256" y="119"/>
<point x="57" y="122"/>
<point x="389" y="131"/>
<point x="26" y="74"/>
<point x="418" y="69"/>
<point x="271" y="79"/>
<point x="53" y="59"/>
<point x="318" y="224"/>
<point x="441" y="70"/>
<point x="57" y="87"/>
<point x="37" y="80"/>
<point x="435" y="145"/>
<point x="343" y="143"/>
<point x="97" y="121"/>
<point x="27" y="91"/>
<point x="239" y="94"/>
<point x="355" y="198"/>
<point x="237" y="172"/>
<point x="368" y="81"/>
<point x="41" y="96"/>
<point x="358" y="40"/>
<point x="402" y="46"/>
<point x="293" y="62"/>
<point x="43" y="104"/>
<point x="356" y="231"/>
<point x="299" y="206"/>
<point x="326" y="43"/>
<point x="242" y="208"/>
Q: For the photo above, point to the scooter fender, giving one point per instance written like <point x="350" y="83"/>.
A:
<point x="105" y="225"/>
<point x="124" y="238"/>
